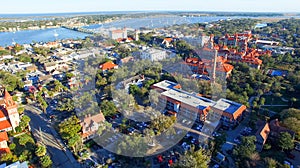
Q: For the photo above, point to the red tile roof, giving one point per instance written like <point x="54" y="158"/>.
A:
<point x="4" y="124"/>
<point x="130" y="39"/>
<point x="239" y="111"/>
<point x="117" y="31"/>
<point x="168" y="39"/>
<point x="3" y="136"/>
<point x="107" y="66"/>
<point x="263" y="132"/>
<point x="4" y="150"/>
<point x="87" y="121"/>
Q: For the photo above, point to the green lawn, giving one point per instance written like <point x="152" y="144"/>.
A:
<point x="274" y="100"/>
<point x="277" y="109"/>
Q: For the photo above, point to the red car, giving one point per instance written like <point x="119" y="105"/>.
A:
<point x="290" y="156"/>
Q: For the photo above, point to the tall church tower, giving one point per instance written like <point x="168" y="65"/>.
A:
<point x="137" y="38"/>
<point x="12" y="110"/>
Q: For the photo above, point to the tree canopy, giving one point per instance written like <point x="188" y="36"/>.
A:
<point x="108" y="108"/>
<point x="69" y="128"/>
<point x="193" y="159"/>
<point x="285" y="141"/>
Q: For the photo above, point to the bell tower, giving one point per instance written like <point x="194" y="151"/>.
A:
<point x="11" y="108"/>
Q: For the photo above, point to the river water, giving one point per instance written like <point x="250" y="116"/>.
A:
<point x="45" y="35"/>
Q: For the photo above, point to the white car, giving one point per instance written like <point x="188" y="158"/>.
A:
<point x="288" y="164"/>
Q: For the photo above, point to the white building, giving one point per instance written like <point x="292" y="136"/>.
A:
<point x="117" y="34"/>
<point x="197" y="41"/>
<point x="156" y="54"/>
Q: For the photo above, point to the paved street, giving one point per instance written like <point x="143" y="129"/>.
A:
<point x="44" y="132"/>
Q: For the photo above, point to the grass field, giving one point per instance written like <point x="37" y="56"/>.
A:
<point x="272" y="100"/>
<point x="277" y="109"/>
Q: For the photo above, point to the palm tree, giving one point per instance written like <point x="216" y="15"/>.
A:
<point x="293" y="100"/>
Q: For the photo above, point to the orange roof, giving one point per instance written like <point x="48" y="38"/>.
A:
<point x="107" y="66"/>
<point x="224" y="47"/>
<point x="168" y="39"/>
<point x="239" y="111"/>
<point x="227" y="67"/>
<point x="178" y="86"/>
<point x="129" y="39"/>
<point x="192" y="59"/>
<point x="4" y="150"/>
<point x="3" y="136"/>
<point x="117" y="31"/>
<point x="4" y="124"/>
<point x="119" y="40"/>
<point x="264" y="132"/>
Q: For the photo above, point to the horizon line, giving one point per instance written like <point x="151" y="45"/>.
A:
<point x="150" y="11"/>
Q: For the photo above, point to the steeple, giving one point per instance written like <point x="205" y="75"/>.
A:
<point x="8" y="99"/>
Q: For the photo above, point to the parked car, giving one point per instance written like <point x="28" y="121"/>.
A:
<point x="290" y="156"/>
<point x="297" y="146"/>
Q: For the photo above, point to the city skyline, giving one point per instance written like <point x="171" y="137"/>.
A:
<point x="55" y="6"/>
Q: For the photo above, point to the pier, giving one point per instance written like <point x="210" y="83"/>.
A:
<point x="80" y="29"/>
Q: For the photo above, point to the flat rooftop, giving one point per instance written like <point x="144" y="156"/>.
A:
<point x="227" y="105"/>
<point x="165" y="85"/>
<point x="189" y="98"/>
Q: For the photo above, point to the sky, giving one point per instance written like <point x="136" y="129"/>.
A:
<point x="62" y="6"/>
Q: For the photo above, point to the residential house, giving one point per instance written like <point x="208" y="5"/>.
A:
<point x="55" y="65"/>
<point x="9" y="116"/>
<point x="31" y="68"/>
<point x="276" y="129"/>
<point x="262" y="134"/>
<point x="108" y="66"/>
<point x="125" y="60"/>
<point x="90" y="124"/>
<point x="17" y="164"/>
<point x="167" y="42"/>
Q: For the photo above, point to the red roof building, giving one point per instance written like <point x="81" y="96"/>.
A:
<point x="262" y="134"/>
<point x="108" y="66"/>
<point x="243" y="54"/>
<point x="3" y="143"/>
<point x="90" y="125"/>
<point x="205" y="66"/>
<point x="192" y="105"/>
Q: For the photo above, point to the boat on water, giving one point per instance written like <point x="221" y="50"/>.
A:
<point x="55" y="34"/>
